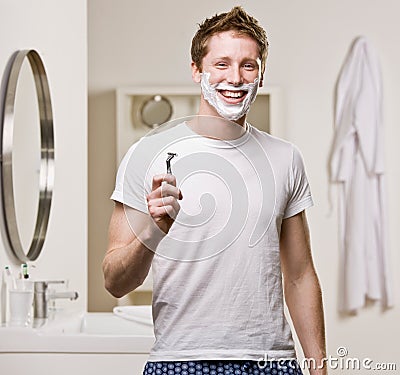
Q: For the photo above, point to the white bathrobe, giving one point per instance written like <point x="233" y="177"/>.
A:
<point x="357" y="165"/>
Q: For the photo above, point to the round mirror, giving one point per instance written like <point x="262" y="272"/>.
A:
<point x="25" y="155"/>
<point x="27" y="170"/>
<point x="156" y="111"/>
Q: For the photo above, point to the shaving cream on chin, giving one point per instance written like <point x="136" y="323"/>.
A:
<point x="230" y="112"/>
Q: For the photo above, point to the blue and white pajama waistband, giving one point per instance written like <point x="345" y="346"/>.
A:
<point x="223" y="367"/>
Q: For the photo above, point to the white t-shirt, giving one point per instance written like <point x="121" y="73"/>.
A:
<point x="217" y="279"/>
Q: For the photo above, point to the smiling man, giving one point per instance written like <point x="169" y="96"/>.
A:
<point x="218" y="304"/>
<point x="229" y="64"/>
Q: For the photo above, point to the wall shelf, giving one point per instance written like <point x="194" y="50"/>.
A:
<point x="265" y="113"/>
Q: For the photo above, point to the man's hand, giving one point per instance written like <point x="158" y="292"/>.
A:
<point x="162" y="202"/>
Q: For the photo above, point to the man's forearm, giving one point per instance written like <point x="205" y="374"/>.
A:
<point x="126" y="268"/>
<point x="304" y="300"/>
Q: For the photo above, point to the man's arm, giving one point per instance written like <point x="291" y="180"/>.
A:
<point x="127" y="260"/>
<point x="302" y="289"/>
<point x="134" y="236"/>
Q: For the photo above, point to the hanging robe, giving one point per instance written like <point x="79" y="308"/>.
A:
<point x="357" y="166"/>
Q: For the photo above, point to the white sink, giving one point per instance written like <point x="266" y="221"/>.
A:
<point x="84" y="332"/>
<point x="110" y="324"/>
<point x="125" y="321"/>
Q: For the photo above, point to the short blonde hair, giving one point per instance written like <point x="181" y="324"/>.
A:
<point x="237" y="20"/>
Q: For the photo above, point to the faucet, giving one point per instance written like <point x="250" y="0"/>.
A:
<point x="42" y="295"/>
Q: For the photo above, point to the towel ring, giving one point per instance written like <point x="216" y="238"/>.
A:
<point x="156" y="111"/>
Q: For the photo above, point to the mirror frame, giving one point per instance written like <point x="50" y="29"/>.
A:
<point x="46" y="176"/>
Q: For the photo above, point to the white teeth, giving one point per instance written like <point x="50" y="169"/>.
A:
<point x="233" y="94"/>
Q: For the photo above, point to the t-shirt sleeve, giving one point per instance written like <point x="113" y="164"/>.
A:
<point x="130" y="187"/>
<point x="299" y="190"/>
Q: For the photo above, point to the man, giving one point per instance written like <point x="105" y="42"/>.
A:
<point x="217" y="298"/>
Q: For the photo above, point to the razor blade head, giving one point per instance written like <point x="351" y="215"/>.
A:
<point x="168" y="161"/>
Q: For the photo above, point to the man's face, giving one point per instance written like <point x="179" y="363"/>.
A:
<point x="232" y="60"/>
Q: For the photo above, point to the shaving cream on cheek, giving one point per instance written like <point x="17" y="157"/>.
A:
<point x="230" y="112"/>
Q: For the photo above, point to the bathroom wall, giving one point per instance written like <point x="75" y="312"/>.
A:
<point x="132" y="44"/>
<point x="58" y="31"/>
